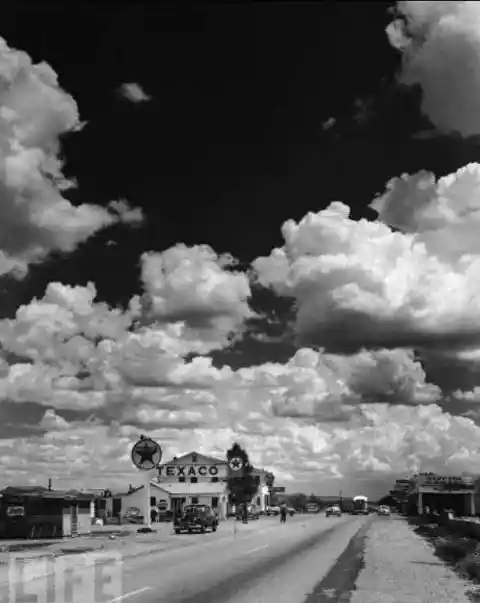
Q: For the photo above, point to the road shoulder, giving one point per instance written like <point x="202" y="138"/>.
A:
<point x="400" y="567"/>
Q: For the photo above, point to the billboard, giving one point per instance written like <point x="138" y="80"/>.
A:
<point x="449" y="483"/>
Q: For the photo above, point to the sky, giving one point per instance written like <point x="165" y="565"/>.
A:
<point x="240" y="223"/>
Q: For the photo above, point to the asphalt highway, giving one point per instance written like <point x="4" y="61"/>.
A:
<point x="262" y="562"/>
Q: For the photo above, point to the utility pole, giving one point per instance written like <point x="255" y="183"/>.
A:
<point x="341" y="500"/>
<point x="49" y="484"/>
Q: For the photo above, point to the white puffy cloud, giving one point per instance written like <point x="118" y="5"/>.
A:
<point x="326" y="387"/>
<point x="440" y="44"/>
<point x="359" y="284"/>
<point x="63" y="326"/>
<point x="198" y="287"/>
<point x="445" y="213"/>
<point x="35" y="217"/>
<point x="134" y="93"/>
<point x="136" y="381"/>
<point x="90" y="378"/>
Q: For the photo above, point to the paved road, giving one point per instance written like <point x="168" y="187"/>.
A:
<point x="263" y="562"/>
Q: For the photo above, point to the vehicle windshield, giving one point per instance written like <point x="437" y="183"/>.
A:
<point x="194" y="510"/>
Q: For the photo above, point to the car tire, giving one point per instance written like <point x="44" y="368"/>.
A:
<point x="214" y="528"/>
<point x="177" y="531"/>
<point x="203" y="530"/>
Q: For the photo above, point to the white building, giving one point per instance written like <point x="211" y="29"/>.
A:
<point x="198" y="479"/>
<point x="190" y="479"/>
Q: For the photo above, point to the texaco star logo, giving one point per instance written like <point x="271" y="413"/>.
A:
<point x="146" y="454"/>
<point x="236" y="463"/>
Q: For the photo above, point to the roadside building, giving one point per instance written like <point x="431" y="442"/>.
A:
<point x="135" y="498"/>
<point x="37" y="512"/>
<point x="195" y="478"/>
<point x="439" y="493"/>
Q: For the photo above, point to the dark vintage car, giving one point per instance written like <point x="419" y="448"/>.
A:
<point x="196" y="518"/>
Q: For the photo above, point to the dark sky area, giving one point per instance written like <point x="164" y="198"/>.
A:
<point x="232" y="144"/>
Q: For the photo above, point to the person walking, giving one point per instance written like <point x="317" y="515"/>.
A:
<point x="283" y="513"/>
<point x="245" y="513"/>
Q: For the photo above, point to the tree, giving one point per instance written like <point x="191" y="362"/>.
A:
<point x="242" y="485"/>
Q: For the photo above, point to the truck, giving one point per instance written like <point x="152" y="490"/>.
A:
<point x="313" y="507"/>
<point x="360" y="505"/>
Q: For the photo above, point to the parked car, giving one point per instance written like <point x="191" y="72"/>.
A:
<point x="253" y="512"/>
<point x="383" y="510"/>
<point x="273" y="510"/>
<point x="334" y="511"/>
<point x="196" y="518"/>
<point x="291" y="511"/>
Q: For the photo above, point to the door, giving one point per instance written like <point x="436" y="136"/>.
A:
<point x="177" y="506"/>
<point x="74" y="519"/>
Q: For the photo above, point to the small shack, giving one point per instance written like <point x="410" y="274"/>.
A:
<point x="38" y="512"/>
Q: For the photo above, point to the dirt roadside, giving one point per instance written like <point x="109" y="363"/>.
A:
<point x="400" y="567"/>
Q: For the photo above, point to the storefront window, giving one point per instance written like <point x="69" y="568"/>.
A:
<point x="214" y="501"/>
<point x="194" y="480"/>
<point x="194" y="500"/>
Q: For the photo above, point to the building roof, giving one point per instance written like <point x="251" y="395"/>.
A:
<point x="41" y="492"/>
<point x="189" y="489"/>
<point x="201" y="459"/>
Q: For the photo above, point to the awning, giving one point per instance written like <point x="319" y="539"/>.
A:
<point x="198" y="489"/>
<point x="427" y="490"/>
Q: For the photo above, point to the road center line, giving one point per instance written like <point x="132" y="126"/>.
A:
<point x="258" y="548"/>
<point x="131" y="594"/>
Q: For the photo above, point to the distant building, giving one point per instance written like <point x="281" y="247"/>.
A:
<point x="438" y="493"/>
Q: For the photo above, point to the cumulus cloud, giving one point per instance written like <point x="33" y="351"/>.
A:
<point x="356" y="405"/>
<point x="134" y="93"/>
<point x="198" y="287"/>
<point x="82" y="356"/>
<point x="127" y="213"/>
<point x="440" y="46"/>
<point x="35" y="217"/>
<point x="360" y="284"/>
<point x="327" y="387"/>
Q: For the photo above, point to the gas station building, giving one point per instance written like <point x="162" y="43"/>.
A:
<point x="198" y="479"/>
<point x="439" y="493"/>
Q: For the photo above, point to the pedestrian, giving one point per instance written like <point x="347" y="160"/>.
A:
<point x="283" y="513"/>
<point x="245" y="513"/>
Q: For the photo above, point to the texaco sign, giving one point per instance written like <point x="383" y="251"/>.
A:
<point x="188" y="471"/>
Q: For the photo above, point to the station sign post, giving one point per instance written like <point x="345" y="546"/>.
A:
<point x="146" y="456"/>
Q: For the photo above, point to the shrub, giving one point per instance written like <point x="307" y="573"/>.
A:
<point x="455" y="548"/>
<point x="470" y="566"/>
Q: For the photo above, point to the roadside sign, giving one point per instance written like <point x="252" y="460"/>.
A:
<point x="236" y="464"/>
<point x="279" y="488"/>
<point x="146" y="454"/>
